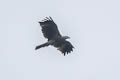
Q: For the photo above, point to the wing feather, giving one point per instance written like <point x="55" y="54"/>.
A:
<point x="49" y="28"/>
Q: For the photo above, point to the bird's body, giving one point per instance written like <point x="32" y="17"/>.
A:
<point x="50" y="31"/>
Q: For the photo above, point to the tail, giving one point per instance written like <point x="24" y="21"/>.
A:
<point x="42" y="45"/>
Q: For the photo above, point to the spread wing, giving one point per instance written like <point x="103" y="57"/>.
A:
<point x="49" y="28"/>
<point x="66" y="47"/>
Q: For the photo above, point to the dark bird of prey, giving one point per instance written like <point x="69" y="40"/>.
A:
<point x="51" y="32"/>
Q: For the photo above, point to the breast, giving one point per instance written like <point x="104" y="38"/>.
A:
<point x="58" y="42"/>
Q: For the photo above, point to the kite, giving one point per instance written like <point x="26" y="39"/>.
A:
<point x="51" y="32"/>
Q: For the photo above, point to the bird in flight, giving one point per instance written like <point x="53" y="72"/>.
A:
<point x="51" y="32"/>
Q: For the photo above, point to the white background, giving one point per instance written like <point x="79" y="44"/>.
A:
<point x="94" y="28"/>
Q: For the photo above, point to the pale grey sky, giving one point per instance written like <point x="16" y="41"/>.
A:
<point x="94" y="28"/>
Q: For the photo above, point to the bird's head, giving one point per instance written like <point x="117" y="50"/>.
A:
<point x="66" y="37"/>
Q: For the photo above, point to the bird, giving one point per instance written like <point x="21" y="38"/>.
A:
<point x="54" y="38"/>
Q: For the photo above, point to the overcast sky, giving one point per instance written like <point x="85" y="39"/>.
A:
<point x="94" y="28"/>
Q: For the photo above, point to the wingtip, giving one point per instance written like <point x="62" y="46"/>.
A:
<point x="39" y="22"/>
<point x="36" y="48"/>
<point x="50" y="18"/>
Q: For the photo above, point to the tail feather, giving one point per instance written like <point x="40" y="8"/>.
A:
<point x="42" y="45"/>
